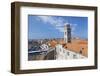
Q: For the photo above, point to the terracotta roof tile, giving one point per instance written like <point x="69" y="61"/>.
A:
<point x="76" y="45"/>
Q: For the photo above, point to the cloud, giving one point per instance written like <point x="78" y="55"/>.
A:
<point x="56" y="22"/>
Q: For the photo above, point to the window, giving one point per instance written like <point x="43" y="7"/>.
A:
<point x="65" y="33"/>
<point x="60" y="49"/>
<point x="74" y="56"/>
<point x="81" y="50"/>
<point x="63" y="51"/>
<point x="68" y="53"/>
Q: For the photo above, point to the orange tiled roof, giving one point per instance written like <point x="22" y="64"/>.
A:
<point x="76" y="45"/>
<point x="53" y="43"/>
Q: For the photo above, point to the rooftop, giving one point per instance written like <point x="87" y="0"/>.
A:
<point x="76" y="45"/>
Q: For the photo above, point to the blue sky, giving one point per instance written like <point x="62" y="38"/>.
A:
<point x="41" y="27"/>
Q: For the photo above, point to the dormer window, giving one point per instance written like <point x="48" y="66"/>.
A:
<point x="81" y="50"/>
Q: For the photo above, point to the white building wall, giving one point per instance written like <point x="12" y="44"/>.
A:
<point x="59" y="51"/>
<point x="66" y="54"/>
<point x="44" y="47"/>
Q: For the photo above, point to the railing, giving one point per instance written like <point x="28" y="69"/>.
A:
<point x="40" y="51"/>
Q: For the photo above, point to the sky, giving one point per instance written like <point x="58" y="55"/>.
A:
<point x="44" y="27"/>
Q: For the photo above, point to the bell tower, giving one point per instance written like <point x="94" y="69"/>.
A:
<point x="67" y="33"/>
